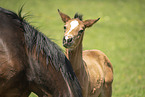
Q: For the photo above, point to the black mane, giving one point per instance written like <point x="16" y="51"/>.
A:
<point x="79" y="16"/>
<point x="34" y="38"/>
<point x="43" y="45"/>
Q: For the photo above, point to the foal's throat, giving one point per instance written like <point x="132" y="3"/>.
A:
<point x="75" y="57"/>
<point x="79" y="67"/>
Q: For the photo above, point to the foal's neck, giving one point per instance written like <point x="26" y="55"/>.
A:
<point x="75" y="56"/>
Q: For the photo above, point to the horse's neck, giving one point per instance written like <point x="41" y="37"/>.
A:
<point x="59" y="87"/>
<point x="75" y="57"/>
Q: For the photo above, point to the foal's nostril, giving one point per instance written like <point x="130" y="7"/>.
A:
<point x="69" y="40"/>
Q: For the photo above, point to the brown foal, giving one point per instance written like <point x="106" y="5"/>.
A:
<point x="92" y="67"/>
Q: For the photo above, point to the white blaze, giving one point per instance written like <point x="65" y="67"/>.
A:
<point x="73" y="25"/>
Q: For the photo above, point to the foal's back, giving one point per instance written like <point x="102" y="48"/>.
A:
<point x="12" y="57"/>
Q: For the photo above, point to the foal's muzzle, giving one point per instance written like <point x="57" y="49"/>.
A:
<point x="67" y="41"/>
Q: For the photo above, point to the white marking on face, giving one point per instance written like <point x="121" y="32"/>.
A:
<point x="67" y="37"/>
<point x="73" y="25"/>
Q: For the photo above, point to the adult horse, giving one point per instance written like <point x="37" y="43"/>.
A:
<point x="92" y="67"/>
<point x="31" y="62"/>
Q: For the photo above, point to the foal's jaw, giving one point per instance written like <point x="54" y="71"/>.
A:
<point x="67" y="41"/>
<point x="70" y="42"/>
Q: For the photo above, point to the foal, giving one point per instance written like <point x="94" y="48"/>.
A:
<point x="92" y="67"/>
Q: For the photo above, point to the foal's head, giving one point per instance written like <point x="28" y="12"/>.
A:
<point x="74" y="29"/>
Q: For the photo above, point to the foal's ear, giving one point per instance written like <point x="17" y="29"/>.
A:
<point x="89" y="23"/>
<point x="64" y="17"/>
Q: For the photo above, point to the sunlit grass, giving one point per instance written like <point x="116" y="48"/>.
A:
<point x="119" y="34"/>
<point x="33" y="95"/>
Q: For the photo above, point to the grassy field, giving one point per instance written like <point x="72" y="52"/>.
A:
<point x="120" y="34"/>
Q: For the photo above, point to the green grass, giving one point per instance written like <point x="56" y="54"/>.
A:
<point x="120" y="34"/>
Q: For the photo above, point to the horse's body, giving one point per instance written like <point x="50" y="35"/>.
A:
<point x="13" y="58"/>
<point x="30" y="62"/>
<point x="92" y="67"/>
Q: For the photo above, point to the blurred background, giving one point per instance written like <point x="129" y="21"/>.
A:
<point x="120" y="34"/>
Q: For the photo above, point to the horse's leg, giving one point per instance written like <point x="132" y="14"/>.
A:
<point x="107" y="87"/>
<point x="108" y="79"/>
<point x="107" y="90"/>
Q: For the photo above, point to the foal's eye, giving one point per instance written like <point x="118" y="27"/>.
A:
<point x="64" y="27"/>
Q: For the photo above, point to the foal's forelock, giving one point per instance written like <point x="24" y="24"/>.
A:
<point x="79" y="16"/>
